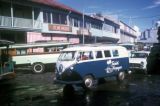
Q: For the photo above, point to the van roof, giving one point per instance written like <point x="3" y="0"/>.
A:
<point x="93" y="47"/>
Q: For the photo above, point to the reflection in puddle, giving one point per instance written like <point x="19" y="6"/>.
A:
<point x="109" y="93"/>
<point x="88" y="99"/>
<point x="97" y="98"/>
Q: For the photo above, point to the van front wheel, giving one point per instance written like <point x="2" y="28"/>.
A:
<point x="38" y="68"/>
<point x="89" y="82"/>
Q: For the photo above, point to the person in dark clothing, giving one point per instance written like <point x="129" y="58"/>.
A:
<point x="158" y="33"/>
<point x="4" y="58"/>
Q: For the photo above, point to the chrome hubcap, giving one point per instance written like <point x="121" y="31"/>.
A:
<point x="121" y="75"/>
<point x="88" y="82"/>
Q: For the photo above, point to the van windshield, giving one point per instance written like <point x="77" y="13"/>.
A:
<point x="67" y="56"/>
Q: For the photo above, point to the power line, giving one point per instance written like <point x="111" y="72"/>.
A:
<point x="141" y="17"/>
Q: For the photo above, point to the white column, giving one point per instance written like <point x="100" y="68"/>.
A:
<point x="11" y="13"/>
<point x="68" y="18"/>
<point x="32" y="17"/>
<point x="83" y="28"/>
<point x="51" y="18"/>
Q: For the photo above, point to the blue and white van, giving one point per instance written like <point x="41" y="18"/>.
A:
<point x="86" y="64"/>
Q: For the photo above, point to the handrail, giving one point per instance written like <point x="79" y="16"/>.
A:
<point x="6" y="21"/>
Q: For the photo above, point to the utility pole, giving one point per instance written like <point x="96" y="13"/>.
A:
<point x="130" y="21"/>
<point x="83" y="27"/>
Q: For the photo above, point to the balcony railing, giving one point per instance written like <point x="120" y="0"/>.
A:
<point x="19" y="23"/>
<point x="22" y="23"/>
<point x="102" y="33"/>
<point x="5" y="21"/>
<point x="83" y="31"/>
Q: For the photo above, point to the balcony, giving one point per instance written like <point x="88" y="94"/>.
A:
<point x="20" y="23"/>
<point x="111" y="34"/>
<point x="129" y="33"/>
<point x="102" y="33"/>
<point x="5" y="21"/>
<point x="82" y="31"/>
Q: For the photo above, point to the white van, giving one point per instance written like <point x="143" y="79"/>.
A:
<point x="130" y="47"/>
<point x="87" y="64"/>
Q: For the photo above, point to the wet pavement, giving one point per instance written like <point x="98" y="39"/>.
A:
<point x="38" y="90"/>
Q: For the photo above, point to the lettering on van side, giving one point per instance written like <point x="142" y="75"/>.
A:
<point x="112" y="66"/>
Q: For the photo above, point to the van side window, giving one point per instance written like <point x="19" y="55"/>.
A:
<point x="86" y="55"/>
<point x="115" y="53"/>
<point x="107" y="53"/>
<point x="98" y="54"/>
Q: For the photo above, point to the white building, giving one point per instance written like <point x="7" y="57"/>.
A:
<point x="149" y="36"/>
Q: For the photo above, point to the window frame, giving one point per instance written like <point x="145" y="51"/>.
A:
<point x="80" y="58"/>
<point x="117" y="54"/>
<point x="95" y="53"/>
<point x="109" y="53"/>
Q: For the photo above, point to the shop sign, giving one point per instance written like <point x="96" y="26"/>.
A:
<point x="63" y="28"/>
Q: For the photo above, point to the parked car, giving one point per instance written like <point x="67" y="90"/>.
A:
<point x="138" y="60"/>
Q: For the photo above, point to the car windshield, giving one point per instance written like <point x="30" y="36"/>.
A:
<point x="67" y="56"/>
<point x="139" y="55"/>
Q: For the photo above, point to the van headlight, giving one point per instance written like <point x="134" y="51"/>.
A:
<point x="60" y="69"/>
<point x="71" y="68"/>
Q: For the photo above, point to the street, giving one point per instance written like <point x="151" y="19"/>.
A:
<point x="29" y="89"/>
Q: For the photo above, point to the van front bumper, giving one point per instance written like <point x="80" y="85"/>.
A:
<point x="56" y="81"/>
<point x="68" y="77"/>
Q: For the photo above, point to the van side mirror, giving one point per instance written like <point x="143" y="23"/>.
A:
<point x="78" y="59"/>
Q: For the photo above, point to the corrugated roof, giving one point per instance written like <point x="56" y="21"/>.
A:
<point x="56" y="4"/>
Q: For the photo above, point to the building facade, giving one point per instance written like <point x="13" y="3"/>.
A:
<point x="127" y="34"/>
<point x="47" y="20"/>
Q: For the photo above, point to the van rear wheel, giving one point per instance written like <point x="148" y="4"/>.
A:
<point x="121" y="76"/>
<point x="38" y="68"/>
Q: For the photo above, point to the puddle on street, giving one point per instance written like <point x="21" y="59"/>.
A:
<point x="137" y="89"/>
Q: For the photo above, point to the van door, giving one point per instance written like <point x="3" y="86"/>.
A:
<point x="91" y="62"/>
